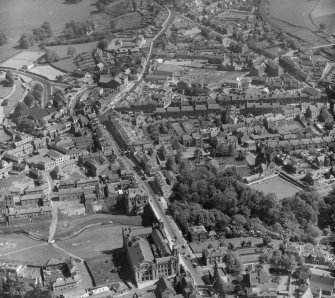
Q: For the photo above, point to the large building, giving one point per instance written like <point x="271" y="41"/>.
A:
<point x="149" y="255"/>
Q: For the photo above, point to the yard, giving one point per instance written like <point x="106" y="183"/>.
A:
<point x="4" y="89"/>
<point x="207" y="76"/>
<point x="276" y="185"/>
<point x="21" y="181"/>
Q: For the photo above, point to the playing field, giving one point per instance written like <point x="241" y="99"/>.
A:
<point x="276" y="185"/>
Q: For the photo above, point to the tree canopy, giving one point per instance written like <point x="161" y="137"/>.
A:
<point x="220" y="200"/>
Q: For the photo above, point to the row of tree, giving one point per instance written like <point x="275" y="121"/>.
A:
<point x="27" y="40"/>
<point x="34" y="98"/>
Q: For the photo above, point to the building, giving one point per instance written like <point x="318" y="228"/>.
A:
<point x="136" y="199"/>
<point x="213" y="255"/>
<point x="145" y="260"/>
<point x="70" y="194"/>
<point x="197" y="233"/>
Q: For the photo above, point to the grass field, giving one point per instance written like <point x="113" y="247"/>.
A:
<point x="38" y="254"/>
<point x="324" y="13"/>
<point x="278" y="186"/>
<point x="61" y="50"/>
<point x="207" y="76"/>
<point x="95" y="242"/>
<point x="14" y="98"/>
<point x="127" y="21"/>
<point x="4" y="89"/>
<point x="47" y="71"/>
<point x="294" y="12"/>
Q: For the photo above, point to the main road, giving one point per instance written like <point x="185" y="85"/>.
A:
<point x="172" y="231"/>
<point x="48" y="85"/>
<point x="165" y="26"/>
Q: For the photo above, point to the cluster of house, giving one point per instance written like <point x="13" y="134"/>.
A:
<point x="62" y="274"/>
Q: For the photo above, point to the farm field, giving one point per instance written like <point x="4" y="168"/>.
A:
<point x="127" y="21"/>
<point x="20" y="16"/>
<point x="26" y="58"/>
<point x="278" y="186"/>
<point x="294" y="12"/>
<point x="324" y="13"/>
<point x="47" y="71"/>
<point x="61" y="50"/>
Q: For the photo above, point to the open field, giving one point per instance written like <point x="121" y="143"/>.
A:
<point x="324" y="13"/>
<point x="14" y="242"/>
<point x="38" y="254"/>
<point x="68" y="226"/>
<point x="94" y="242"/>
<point x="278" y="186"/>
<point x="207" y="76"/>
<point x="294" y="12"/>
<point x="127" y="21"/>
<point x="61" y="50"/>
<point x="20" y="16"/>
<point x="26" y="58"/>
<point x="47" y="71"/>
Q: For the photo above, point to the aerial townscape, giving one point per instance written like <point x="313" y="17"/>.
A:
<point x="167" y="148"/>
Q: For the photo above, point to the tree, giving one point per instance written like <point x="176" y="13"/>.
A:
<point x="26" y="41"/>
<point x="71" y="51"/>
<point x="3" y="39"/>
<point x="20" y="107"/>
<point x="28" y="100"/>
<point x="231" y="246"/>
<point x="103" y="44"/>
<point x="322" y="26"/>
<point x="267" y="240"/>
<point x="51" y="57"/>
<point x="219" y="285"/>
<point x="10" y="78"/>
<point x="231" y="150"/>
<point x="233" y="264"/>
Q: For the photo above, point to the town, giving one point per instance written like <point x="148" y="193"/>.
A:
<point x="169" y="149"/>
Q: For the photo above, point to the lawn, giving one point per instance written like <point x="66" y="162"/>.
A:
<point x="278" y="186"/>
<point x="14" y="98"/>
<point x="95" y="242"/>
<point x="4" y="89"/>
<point x="13" y="242"/>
